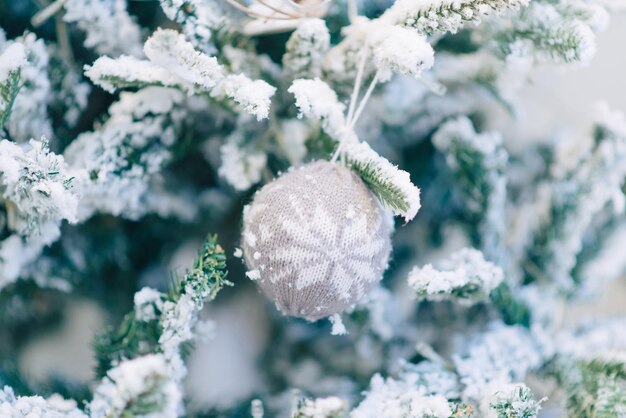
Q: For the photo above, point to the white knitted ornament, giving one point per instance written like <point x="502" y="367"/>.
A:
<point x="316" y="240"/>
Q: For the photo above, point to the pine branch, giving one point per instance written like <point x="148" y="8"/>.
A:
<point x="575" y="200"/>
<point x="388" y="193"/>
<point x="436" y="16"/>
<point x="465" y="276"/>
<point x="478" y="162"/>
<point x="516" y="403"/>
<point x="550" y="33"/>
<point x="305" y="49"/>
<point x="136" y="337"/>
<point x="391" y="185"/>
<point x="207" y="276"/>
<point x="331" y="407"/>
<point x="173" y="62"/>
<point x="8" y="92"/>
<point x="512" y="310"/>
<point x="201" y="20"/>
<point x="595" y="388"/>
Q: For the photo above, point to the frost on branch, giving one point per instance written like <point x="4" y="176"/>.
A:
<point x="331" y="407"/>
<point x="440" y="16"/>
<point x="591" y="367"/>
<point x="199" y="19"/>
<point x="478" y="161"/>
<point x="560" y="33"/>
<point x="253" y="96"/>
<point x="142" y="125"/>
<point x="242" y="164"/>
<point x="12" y="59"/>
<point x="108" y="27"/>
<point x="69" y="91"/>
<point x="512" y="401"/>
<point x="35" y="187"/>
<point x="148" y="304"/>
<point x="36" y="406"/>
<point x="161" y="324"/>
<point x="305" y="49"/>
<point x="608" y="263"/>
<point x="29" y="113"/>
<point x="594" y="184"/>
<point x="501" y="355"/>
<point x="390" y="184"/>
<point x="173" y="62"/>
<point x="400" y="398"/>
<point x="318" y="101"/>
<point x="465" y="275"/>
<point x="421" y="390"/>
<point x="37" y="194"/>
<point x="137" y="387"/>
<point x="401" y="50"/>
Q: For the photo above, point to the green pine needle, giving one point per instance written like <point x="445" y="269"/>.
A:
<point x="134" y="338"/>
<point x="8" y="93"/>
<point x="389" y="194"/>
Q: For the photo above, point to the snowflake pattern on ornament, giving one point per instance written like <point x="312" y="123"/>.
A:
<point x="316" y="240"/>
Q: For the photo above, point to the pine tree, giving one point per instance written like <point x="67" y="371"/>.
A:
<point x="339" y="159"/>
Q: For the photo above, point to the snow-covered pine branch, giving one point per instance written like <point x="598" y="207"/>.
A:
<point x="150" y="367"/>
<point x="582" y="193"/>
<point x="241" y="164"/>
<point x="607" y="263"/>
<point x="12" y="59"/>
<point x="316" y="100"/>
<point x="591" y="368"/>
<point x="440" y="16"/>
<point x="141" y="386"/>
<point x="305" y="49"/>
<point x="37" y="194"/>
<point x="143" y="125"/>
<point x="173" y="62"/>
<point x="29" y="114"/>
<point x="464" y="276"/>
<point x="331" y="407"/>
<point x="400" y="50"/>
<point x="401" y="397"/>
<point x="512" y="401"/>
<point x="199" y="19"/>
<point x="108" y="27"/>
<point x="558" y="33"/>
<point x="388" y="182"/>
<point x="36" y="406"/>
<point x="35" y="187"/>
<point x="499" y="356"/>
<point x="478" y="162"/>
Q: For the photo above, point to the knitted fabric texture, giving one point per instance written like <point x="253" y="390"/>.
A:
<point x="316" y="240"/>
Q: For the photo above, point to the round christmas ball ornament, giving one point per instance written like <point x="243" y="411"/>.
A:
<point x="316" y="240"/>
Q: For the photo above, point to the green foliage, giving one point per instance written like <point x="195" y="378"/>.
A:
<point x="519" y="404"/>
<point x="478" y="163"/>
<point x="596" y="388"/>
<point x="123" y="83"/>
<point x="207" y="276"/>
<point x="437" y="18"/>
<point x="389" y="194"/>
<point x="320" y="145"/>
<point x="134" y="338"/>
<point x="131" y="339"/>
<point x="8" y="92"/>
<point x="561" y="44"/>
<point x="511" y="309"/>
